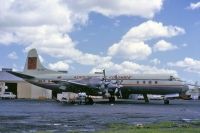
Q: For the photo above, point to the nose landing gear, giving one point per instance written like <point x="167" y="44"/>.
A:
<point x="112" y="99"/>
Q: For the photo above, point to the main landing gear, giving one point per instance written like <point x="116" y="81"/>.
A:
<point x="166" y="101"/>
<point x="89" y="101"/>
<point x="146" y="98"/>
<point x="111" y="99"/>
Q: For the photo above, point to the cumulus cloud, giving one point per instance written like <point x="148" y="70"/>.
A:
<point x="15" y="68"/>
<point x="189" y="64"/>
<point x="155" y="61"/>
<point x="130" y="50"/>
<point x="184" y="45"/>
<point x="194" y="6"/>
<point x="13" y="55"/>
<point x="60" y="65"/>
<point x="41" y="59"/>
<point x="17" y="13"/>
<point x="128" y="67"/>
<point x="45" y="24"/>
<point x="162" y="45"/>
<point x="151" y="30"/>
<point x="28" y="24"/>
<point x="133" y="46"/>
<point x="112" y="8"/>
<point x="7" y="38"/>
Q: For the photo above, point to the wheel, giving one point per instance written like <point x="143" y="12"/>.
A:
<point x="89" y="100"/>
<point x="111" y="99"/>
<point x="166" y="101"/>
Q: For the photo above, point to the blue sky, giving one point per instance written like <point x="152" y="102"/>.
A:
<point x="121" y="36"/>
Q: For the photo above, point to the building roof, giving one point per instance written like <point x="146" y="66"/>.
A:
<point x="4" y="76"/>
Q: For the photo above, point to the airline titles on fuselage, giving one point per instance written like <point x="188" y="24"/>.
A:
<point x="126" y="77"/>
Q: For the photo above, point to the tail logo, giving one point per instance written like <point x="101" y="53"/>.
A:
<point x="32" y="63"/>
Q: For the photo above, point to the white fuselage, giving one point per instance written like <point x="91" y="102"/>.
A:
<point x="138" y="83"/>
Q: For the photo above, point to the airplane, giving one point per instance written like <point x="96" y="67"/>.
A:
<point x="108" y="86"/>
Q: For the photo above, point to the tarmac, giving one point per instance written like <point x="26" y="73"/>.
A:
<point x="51" y="116"/>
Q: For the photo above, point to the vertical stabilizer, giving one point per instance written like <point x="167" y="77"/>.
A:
<point x="32" y="61"/>
<point x="33" y="64"/>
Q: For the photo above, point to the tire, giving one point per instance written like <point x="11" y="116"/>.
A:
<point x="111" y="99"/>
<point x="166" y="102"/>
<point x="89" y="101"/>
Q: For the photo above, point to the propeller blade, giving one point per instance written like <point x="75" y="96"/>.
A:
<point x="104" y="74"/>
<point x="120" y="93"/>
<point x="116" y="90"/>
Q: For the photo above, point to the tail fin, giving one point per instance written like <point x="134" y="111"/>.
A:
<point x="33" y="64"/>
<point x="32" y="61"/>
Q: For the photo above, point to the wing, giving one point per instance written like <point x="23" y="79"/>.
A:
<point x="77" y="83"/>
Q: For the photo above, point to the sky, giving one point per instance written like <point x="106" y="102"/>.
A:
<point x="121" y="36"/>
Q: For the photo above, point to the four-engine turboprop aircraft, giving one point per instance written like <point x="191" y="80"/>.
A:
<point x="106" y="85"/>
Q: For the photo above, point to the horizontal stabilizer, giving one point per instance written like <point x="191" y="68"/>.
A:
<point x="23" y="76"/>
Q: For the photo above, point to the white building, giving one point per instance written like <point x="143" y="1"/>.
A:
<point x="22" y="89"/>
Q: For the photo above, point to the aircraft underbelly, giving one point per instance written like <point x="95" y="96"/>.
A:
<point x="153" y="90"/>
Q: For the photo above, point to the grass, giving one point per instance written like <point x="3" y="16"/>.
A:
<point x="163" y="127"/>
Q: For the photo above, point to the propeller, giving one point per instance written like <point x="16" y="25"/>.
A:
<point x="112" y="87"/>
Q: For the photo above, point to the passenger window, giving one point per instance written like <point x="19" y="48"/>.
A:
<point x="144" y="82"/>
<point x="150" y="82"/>
<point x="138" y="82"/>
<point x="156" y="82"/>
